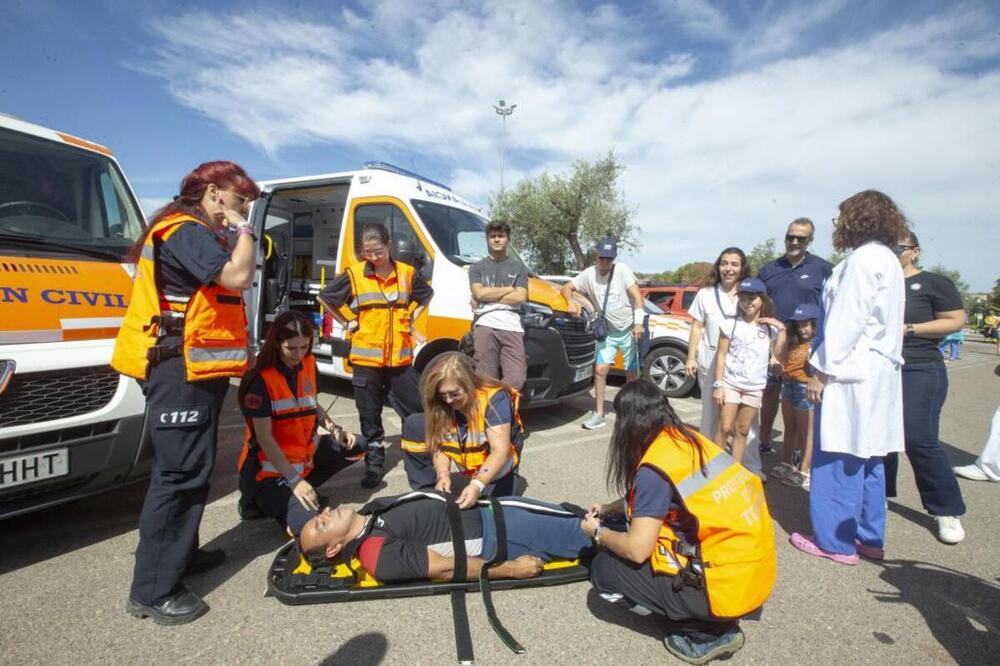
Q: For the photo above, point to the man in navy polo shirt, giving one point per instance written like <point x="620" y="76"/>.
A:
<point x="792" y="280"/>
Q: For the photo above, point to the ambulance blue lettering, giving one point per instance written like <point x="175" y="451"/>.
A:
<point x="10" y="294"/>
<point x="49" y="296"/>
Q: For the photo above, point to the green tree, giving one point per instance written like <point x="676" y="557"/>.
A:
<point x="694" y="272"/>
<point x="836" y="257"/>
<point x="557" y="219"/>
<point x="662" y="276"/>
<point x="760" y="254"/>
<point x="994" y="297"/>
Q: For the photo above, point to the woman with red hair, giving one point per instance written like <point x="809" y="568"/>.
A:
<point x="182" y="337"/>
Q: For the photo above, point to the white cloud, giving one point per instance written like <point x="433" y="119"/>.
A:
<point x="726" y="160"/>
<point x="699" y="18"/>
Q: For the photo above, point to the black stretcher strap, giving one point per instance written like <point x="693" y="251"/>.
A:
<point x="484" y="580"/>
<point x="460" y="571"/>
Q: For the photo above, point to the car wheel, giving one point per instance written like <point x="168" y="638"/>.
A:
<point x="664" y="366"/>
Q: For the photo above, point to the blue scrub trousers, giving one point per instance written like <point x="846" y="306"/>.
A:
<point x="846" y="499"/>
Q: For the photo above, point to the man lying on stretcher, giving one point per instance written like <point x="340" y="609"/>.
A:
<point x="411" y="539"/>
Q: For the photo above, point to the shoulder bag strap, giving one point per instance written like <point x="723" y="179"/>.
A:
<point x="607" y="291"/>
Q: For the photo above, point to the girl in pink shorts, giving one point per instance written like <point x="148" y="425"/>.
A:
<point x="745" y="349"/>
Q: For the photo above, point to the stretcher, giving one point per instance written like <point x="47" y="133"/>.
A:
<point x="293" y="581"/>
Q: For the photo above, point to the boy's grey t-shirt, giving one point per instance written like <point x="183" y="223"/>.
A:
<point x="592" y="285"/>
<point x="507" y="273"/>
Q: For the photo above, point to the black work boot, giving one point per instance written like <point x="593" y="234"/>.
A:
<point x="180" y="608"/>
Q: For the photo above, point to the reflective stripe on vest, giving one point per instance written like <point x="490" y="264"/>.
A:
<point x="734" y="550"/>
<point x="293" y="419"/>
<point x="382" y="306"/>
<point x="471" y="454"/>
<point x="215" y="338"/>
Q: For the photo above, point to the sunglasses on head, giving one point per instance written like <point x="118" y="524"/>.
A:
<point x="792" y="238"/>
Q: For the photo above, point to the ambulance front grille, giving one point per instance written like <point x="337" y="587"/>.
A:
<point x="58" y="394"/>
<point x="579" y="341"/>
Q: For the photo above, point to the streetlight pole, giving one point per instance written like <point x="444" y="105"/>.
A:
<point x="503" y="111"/>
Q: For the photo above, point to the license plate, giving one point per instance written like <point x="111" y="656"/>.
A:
<point x="583" y="373"/>
<point x="19" y="470"/>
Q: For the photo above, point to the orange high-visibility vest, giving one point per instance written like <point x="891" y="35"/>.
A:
<point x="213" y="319"/>
<point x="471" y="453"/>
<point x="293" y="420"/>
<point x="382" y="307"/>
<point x="733" y="554"/>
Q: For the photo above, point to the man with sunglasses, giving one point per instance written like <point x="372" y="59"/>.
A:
<point x="792" y="280"/>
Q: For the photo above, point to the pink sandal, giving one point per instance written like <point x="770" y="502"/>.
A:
<point x="809" y="547"/>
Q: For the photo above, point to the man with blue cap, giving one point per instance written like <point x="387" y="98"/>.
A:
<point x="612" y="290"/>
<point x="791" y="280"/>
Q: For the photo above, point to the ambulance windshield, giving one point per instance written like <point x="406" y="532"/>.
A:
<point x="459" y="234"/>
<point x="62" y="197"/>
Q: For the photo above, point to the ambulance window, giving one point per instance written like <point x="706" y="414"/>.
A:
<point x="401" y="235"/>
<point x="70" y="199"/>
<point x="113" y="205"/>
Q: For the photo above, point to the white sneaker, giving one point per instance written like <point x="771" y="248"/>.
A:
<point x="949" y="529"/>
<point x="594" y="421"/>
<point x="972" y="472"/>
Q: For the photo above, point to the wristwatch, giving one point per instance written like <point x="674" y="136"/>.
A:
<point x="911" y="330"/>
<point x="717" y="384"/>
<point x="597" y="534"/>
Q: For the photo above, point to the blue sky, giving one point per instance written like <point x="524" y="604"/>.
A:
<point x="732" y="118"/>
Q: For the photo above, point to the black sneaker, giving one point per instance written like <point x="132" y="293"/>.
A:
<point x="372" y="478"/>
<point x="249" y="510"/>
<point x="701" y="652"/>
<point x="765" y="447"/>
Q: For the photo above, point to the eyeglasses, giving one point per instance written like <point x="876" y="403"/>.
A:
<point x="448" y="396"/>
<point x="791" y="238"/>
<point x="243" y="201"/>
<point x="374" y="254"/>
<point x="900" y="249"/>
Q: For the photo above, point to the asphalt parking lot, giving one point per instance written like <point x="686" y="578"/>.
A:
<point x="65" y="573"/>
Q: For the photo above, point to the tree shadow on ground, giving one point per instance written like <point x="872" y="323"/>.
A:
<point x="961" y="610"/>
<point x="916" y="517"/>
<point x="361" y="650"/>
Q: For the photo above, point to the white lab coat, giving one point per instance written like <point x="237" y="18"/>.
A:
<point x="861" y="353"/>
<point x="989" y="461"/>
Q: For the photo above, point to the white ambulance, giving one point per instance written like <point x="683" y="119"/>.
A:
<point x="69" y="424"/>
<point x="309" y="229"/>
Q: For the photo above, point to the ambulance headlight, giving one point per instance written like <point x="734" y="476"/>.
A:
<point x="537" y="315"/>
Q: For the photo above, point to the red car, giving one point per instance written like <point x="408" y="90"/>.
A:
<point x="673" y="299"/>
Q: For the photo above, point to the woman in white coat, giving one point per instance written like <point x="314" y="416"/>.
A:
<point x="857" y="383"/>
<point x="987" y="466"/>
<point x="714" y="308"/>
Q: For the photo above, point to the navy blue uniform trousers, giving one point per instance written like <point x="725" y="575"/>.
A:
<point x="183" y="418"/>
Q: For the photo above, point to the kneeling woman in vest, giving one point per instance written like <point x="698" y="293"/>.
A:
<point x="472" y="424"/>
<point x="691" y="539"/>
<point x="283" y="459"/>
